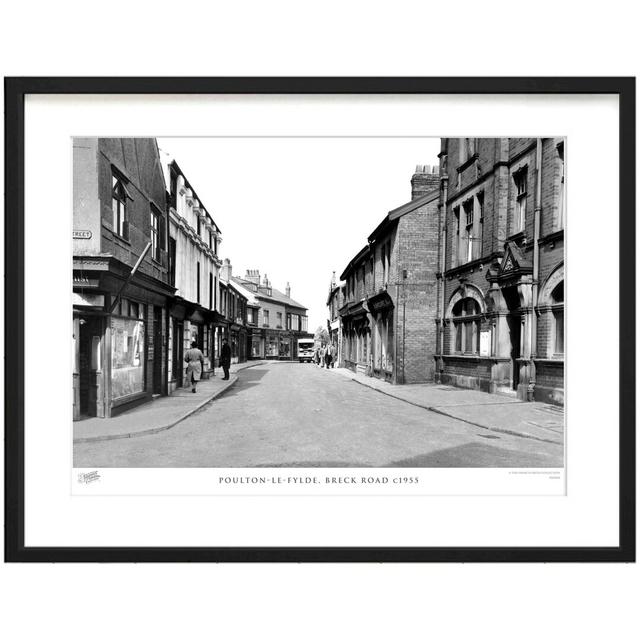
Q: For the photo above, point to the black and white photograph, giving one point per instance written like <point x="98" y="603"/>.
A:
<point x="319" y="302"/>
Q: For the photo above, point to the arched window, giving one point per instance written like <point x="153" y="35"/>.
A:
<point x="557" y="308"/>
<point x="466" y="323"/>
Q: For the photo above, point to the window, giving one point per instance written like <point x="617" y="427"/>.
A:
<point x="119" y="196"/>
<point x="557" y="300"/>
<point x="157" y="234"/>
<point x="466" y="323"/>
<point x="520" y="180"/>
<point x="199" y="224"/>
<point x="561" y="196"/>
<point x="210" y="240"/>
<point x="469" y="238"/>
<point x="265" y="317"/>
<point x="279" y="319"/>
<point x="210" y="290"/>
<point x="289" y="321"/>
<point x="198" y="282"/>
<point x="172" y="262"/>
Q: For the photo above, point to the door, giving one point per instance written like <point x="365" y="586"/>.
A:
<point x="176" y="355"/>
<point x="90" y="365"/>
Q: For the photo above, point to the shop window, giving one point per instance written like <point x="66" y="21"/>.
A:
<point x="466" y="323"/>
<point x="520" y="212"/>
<point x="127" y="356"/>
<point x="119" y="195"/>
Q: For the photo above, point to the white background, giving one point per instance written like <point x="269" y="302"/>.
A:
<point x="320" y="601"/>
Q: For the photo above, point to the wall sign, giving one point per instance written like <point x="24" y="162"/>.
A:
<point x="82" y="235"/>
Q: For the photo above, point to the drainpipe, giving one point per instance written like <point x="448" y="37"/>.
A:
<point x="536" y="267"/>
<point x="443" y="251"/>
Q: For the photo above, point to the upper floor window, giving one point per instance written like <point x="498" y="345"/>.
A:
<point x="467" y="149"/>
<point x="279" y="319"/>
<point x="561" y="196"/>
<point x="157" y="233"/>
<point x="520" y="182"/>
<point x="265" y="317"/>
<point x="198" y="282"/>
<point x="119" y="195"/>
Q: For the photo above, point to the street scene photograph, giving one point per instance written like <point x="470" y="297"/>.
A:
<point x="318" y="302"/>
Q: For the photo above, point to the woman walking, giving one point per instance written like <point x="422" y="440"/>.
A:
<point x="195" y="365"/>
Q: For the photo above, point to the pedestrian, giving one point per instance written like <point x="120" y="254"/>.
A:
<point x="323" y="353"/>
<point x="225" y="358"/>
<point x="327" y="356"/>
<point x="331" y="350"/>
<point x="195" y="365"/>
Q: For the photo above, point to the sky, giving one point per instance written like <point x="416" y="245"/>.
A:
<point x="298" y="208"/>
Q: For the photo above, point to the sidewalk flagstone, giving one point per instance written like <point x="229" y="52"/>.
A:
<point x="491" y="411"/>
<point x="159" y="414"/>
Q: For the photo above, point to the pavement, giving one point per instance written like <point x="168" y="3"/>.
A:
<point x="161" y="413"/>
<point x="494" y="412"/>
<point x="298" y="415"/>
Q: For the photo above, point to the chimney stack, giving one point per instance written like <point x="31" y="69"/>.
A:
<point x="288" y="290"/>
<point x="253" y="275"/>
<point x="424" y="180"/>
<point x="226" y="270"/>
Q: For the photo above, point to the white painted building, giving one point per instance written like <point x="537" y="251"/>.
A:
<point x="194" y="239"/>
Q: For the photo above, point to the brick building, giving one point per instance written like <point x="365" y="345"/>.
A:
<point x="275" y="319"/>
<point x="233" y="307"/>
<point x="388" y="316"/>
<point x="335" y="301"/>
<point x="119" y="321"/>
<point x="501" y="299"/>
<point x="194" y="266"/>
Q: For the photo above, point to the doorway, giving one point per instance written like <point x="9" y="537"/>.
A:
<point x="90" y="365"/>
<point x="176" y="355"/>
<point x="514" y="322"/>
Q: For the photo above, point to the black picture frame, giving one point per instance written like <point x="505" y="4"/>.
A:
<point x="15" y="91"/>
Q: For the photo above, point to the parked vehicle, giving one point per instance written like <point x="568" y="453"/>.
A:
<point x="305" y="349"/>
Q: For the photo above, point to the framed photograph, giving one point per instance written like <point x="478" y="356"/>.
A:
<point x="320" y="319"/>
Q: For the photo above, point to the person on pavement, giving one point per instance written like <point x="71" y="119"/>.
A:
<point x="195" y="365"/>
<point x="225" y="358"/>
<point x="327" y="356"/>
<point x="323" y="352"/>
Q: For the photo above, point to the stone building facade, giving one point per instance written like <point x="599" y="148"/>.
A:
<point x="194" y="239"/>
<point x="501" y="294"/>
<point x="119" y="319"/>
<point x="390" y="307"/>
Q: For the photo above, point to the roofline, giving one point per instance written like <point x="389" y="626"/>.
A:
<point x="195" y="195"/>
<point x="354" y="260"/>
<point x="400" y="211"/>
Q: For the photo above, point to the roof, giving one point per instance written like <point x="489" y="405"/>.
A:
<point x="173" y="164"/>
<point x="402" y="210"/>
<point x="354" y="261"/>
<point x="276" y="295"/>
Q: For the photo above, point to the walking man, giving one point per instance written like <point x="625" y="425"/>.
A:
<point x="195" y="365"/>
<point x="225" y="358"/>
